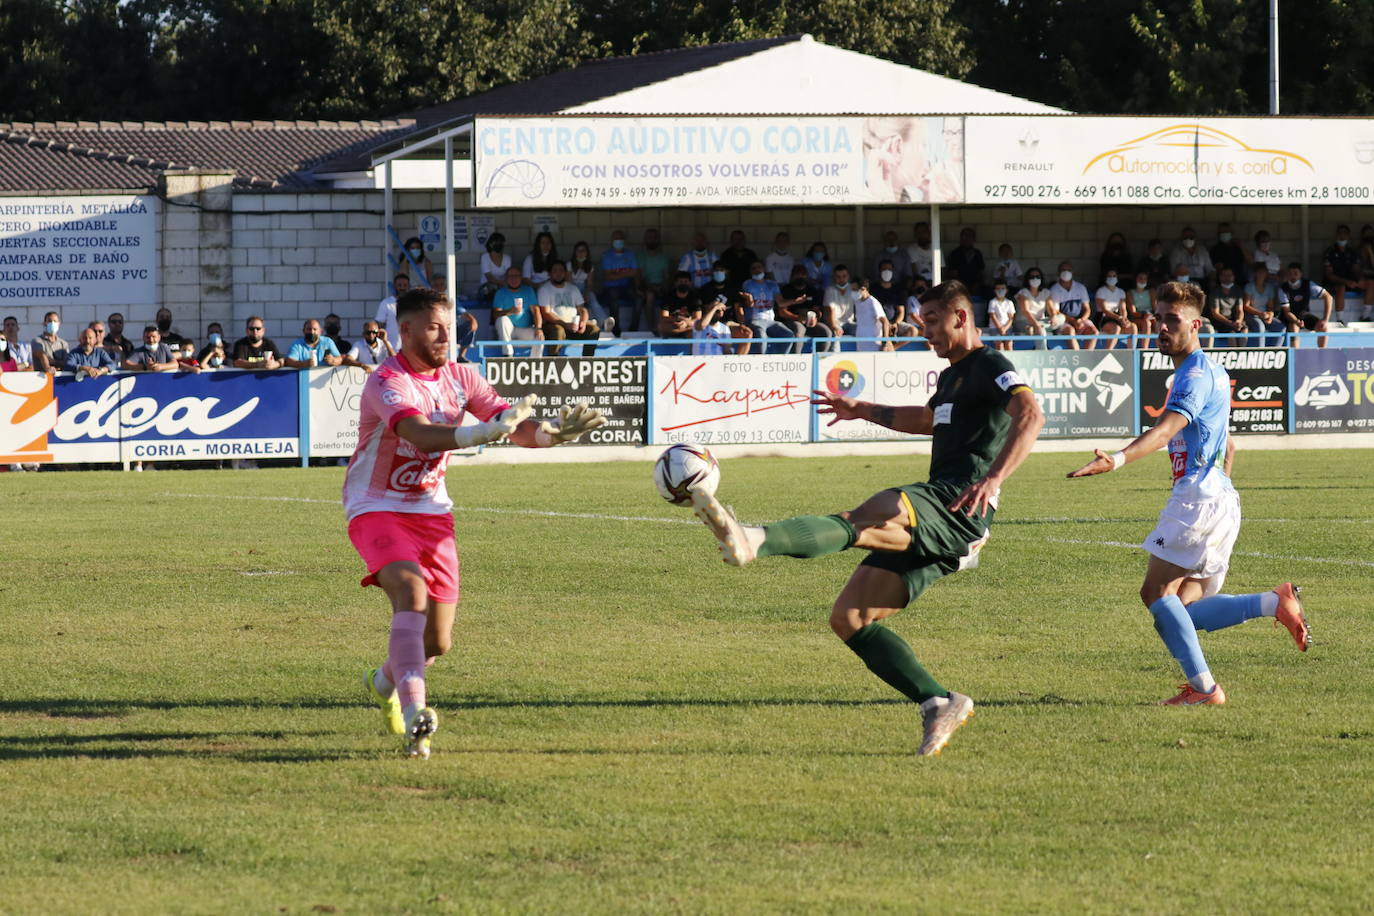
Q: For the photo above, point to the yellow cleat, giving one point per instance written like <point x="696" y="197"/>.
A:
<point x="390" y="706"/>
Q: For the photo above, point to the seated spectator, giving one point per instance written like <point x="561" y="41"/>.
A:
<point x="312" y="349"/>
<point x="164" y="328"/>
<point x="1001" y="313"/>
<point x="1308" y="308"/>
<point x="1155" y="264"/>
<point x="544" y="253"/>
<point x="802" y="301"/>
<point x="893" y="297"/>
<point x="1264" y="251"/>
<point x="563" y="311"/>
<point x="333" y="326"/>
<point x="1226" y="308"/>
<point x="386" y="309"/>
<point x="921" y="255"/>
<point x="1227" y="251"/>
<point x="1071" y="300"/>
<point x="254" y="350"/>
<point x="1140" y="304"/>
<point x="911" y="314"/>
<point x="699" y="262"/>
<point x="653" y="277"/>
<point x="515" y="313"/>
<point x="21" y="353"/>
<point x="582" y="273"/>
<point x="1115" y="256"/>
<point x="153" y="356"/>
<point x="619" y="280"/>
<point x="1008" y="269"/>
<point x="373" y="349"/>
<point x="779" y="262"/>
<point x="818" y="268"/>
<point x="1367" y="271"/>
<point x="214" y="354"/>
<point x="1188" y="253"/>
<point x="115" y="341"/>
<point x="99" y="327"/>
<point x="966" y="263"/>
<point x="870" y="321"/>
<point x="1110" y="311"/>
<point x="49" y="351"/>
<point x="710" y="331"/>
<point x="1034" y="308"/>
<point x="1264" y="306"/>
<point x="493" y="264"/>
<point x="1341" y="270"/>
<point x="415" y="264"/>
<point x="840" y="298"/>
<point x="7" y="363"/>
<point x="758" y="297"/>
<point x="896" y="256"/>
<point x="738" y="258"/>
<point x="720" y="285"/>
<point x="677" y="310"/>
<point x="88" y="360"/>
<point x="185" y="354"/>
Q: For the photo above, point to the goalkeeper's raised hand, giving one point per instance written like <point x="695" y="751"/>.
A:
<point x="570" y="424"/>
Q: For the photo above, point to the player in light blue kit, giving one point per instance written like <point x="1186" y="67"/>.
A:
<point x="1190" y="548"/>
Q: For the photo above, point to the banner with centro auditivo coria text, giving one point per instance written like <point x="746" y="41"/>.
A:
<point x="1259" y="387"/>
<point x="717" y="161"/>
<point x="713" y="400"/>
<point x="96" y="250"/>
<point x="614" y="385"/>
<point x="899" y="378"/>
<point x="1081" y="392"/>
<point x="1333" y="390"/>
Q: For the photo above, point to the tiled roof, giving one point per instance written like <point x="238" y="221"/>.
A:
<point x="264" y="155"/>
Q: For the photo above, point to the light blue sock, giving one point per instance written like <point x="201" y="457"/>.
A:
<point x="1176" y="628"/>
<point x="1221" y="611"/>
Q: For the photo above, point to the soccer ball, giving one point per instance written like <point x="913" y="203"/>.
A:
<point x="683" y="470"/>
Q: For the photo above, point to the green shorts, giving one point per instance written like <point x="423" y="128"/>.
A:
<point x="942" y="542"/>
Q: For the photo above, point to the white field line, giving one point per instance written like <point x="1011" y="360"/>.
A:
<point x="1336" y="561"/>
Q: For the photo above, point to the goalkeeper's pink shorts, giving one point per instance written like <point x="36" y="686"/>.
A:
<point x="409" y="537"/>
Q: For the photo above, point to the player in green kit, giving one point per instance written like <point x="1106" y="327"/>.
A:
<point x="984" y="420"/>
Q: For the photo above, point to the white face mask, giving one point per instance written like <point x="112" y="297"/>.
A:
<point x="1000" y="292"/>
<point x="1066" y="275"/>
<point x="1225" y="237"/>
<point x="1189" y="243"/>
<point x="1182" y="278"/>
<point x="1141" y="285"/>
<point x="886" y="275"/>
<point x="1111" y="281"/>
<point x="758" y="277"/>
<point x="1342" y="242"/>
<point x="1033" y="282"/>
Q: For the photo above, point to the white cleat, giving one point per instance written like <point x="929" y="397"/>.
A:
<point x="941" y="719"/>
<point x="737" y="548"/>
<point x="422" y="724"/>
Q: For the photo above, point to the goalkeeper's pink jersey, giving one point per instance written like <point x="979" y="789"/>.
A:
<point x="387" y="473"/>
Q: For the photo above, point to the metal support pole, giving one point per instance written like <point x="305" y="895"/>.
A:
<point x="387" y="289"/>
<point x="936" y="274"/>
<point x="450" y="256"/>
<point x="1273" y="57"/>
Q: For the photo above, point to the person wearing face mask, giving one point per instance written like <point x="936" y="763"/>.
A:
<point x="153" y="356"/>
<point x="1109" y="304"/>
<point x="1265" y="251"/>
<point x="7" y="361"/>
<point x="164" y="327"/>
<point x="699" y="261"/>
<point x="1231" y="253"/>
<point x="1341" y="270"/>
<point x="1263" y="301"/>
<point x="757" y="309"/>
<point x="803" y="301"/>
<point x="333" y="329"/>
<point x="676" y="311"/>
<point x="185" y="354"/>
<point x="1140" y="304"/>
<point x="841" y="296"/>
<point x="1226" y="308"/>
<point x="1071" y="300"/>
<point x="779" y="262"/>
<point x="1001" y="312"/>
<point x="895" y="254"/>
<point x="1366" y="255"/>
<point x="719" y="285"/>
<point x="1034" y="308"/>
<point x="415" y="264"/>
<point x="1307" y="306"/>
<point x="49" y="350"/>
<point x="619" y="281"/>
<point x="213" y="354"/>
<point x="1188" y="253"/>
<point x="892" y="296"/>
<point x="818" y="268"/>
<point x="312" y="349"/>
<point x="494" y="263"/>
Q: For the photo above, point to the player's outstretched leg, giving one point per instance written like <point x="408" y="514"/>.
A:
<point x="804" y="537"/>
<point x="1283" y="604"/>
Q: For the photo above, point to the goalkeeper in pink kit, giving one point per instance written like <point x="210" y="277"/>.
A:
<point x="399" y="511"/>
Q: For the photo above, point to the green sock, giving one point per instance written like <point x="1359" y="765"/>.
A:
<point x="887" y="655"/>
<point x="807" y="536"/>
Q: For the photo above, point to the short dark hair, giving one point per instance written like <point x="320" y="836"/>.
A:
<point x="1189" y="295"/>
<point x="149" y="327"/>
<point x="842" y="267"/>
<point x="683" y="275"/>
<point x="1297" y="264"/>
<point x="948" y="294"/>
<point x="421" y="299"/>
<point x="405" y="277"/>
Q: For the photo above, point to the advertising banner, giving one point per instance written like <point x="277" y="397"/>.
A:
<point x="900" y="378"/>
<point x="1259" y="387"/>
<point x="28" y="411"/>
<point x="99" y="250"/>
<point x="614" y="385"/>
<point x="1082" y="392"/>
<point x="1075" y="160"/>
<point x="176" y="416"/>
<point x="335" y="394"/>
<point x="726" y="399"/>
<point x="1334" y="390"/>
<point x="717" y="161"/>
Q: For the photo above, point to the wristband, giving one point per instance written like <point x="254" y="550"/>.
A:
<point x="1118" y="459"/>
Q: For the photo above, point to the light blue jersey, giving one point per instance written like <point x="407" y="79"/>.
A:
<point x="1201" y="392"/>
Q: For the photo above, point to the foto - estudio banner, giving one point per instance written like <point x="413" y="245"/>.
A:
<point x="1259" y="387"/>
<point x="1081" y="392"/>
<point x="614" y="385"/>
<point x="1333" y="390"/>
<point x="712" y="400"/>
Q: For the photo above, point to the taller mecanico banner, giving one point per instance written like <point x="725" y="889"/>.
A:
<point x="1152" y="160"/>
<point x="716" y="161"/>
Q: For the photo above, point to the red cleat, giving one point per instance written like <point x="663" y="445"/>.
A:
<point x="1291" y="616"/>
<point x="1190" y="697"/>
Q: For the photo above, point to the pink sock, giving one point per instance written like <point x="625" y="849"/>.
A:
<point x="405" y="660"/>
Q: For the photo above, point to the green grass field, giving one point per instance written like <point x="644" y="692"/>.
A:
<point x="629" y="725"/>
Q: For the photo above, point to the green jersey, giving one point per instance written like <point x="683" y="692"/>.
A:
<point x="971" y="419"/>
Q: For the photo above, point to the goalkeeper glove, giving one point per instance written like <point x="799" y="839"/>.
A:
<point x="570" y="424"/>
<point x="498" y="427"/>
